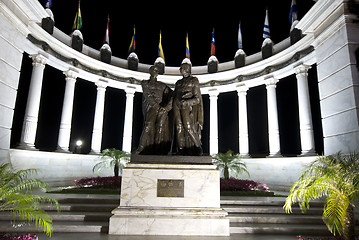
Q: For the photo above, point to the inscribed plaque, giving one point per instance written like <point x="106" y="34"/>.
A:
<point x="170" y="188"/>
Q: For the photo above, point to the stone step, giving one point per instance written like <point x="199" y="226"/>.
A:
<point x="275" y="218"/>
<point x="265" y="202"/>
<point x="80" y="207"/>
<point x="80" y="226"/>
<point x="287" y="229"/>
<point x="68" y="216"/>
<point x="89" y="201"/>
<point x="233" y="209"/>
<point x="278" y="219"/>
<point x="296" y="229"/>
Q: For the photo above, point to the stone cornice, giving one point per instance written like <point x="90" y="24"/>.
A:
<point x="103" y="73"/>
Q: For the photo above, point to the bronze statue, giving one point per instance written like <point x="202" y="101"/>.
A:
<point x="156" y="138"/>
<point x="188" y="113"/>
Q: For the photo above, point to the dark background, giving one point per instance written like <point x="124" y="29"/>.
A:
<point x="174" y="19"/>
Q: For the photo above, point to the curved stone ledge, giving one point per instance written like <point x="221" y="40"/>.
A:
<point x="103" y="73"/>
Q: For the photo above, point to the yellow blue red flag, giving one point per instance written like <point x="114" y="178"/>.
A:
<point x="78" y="20"/>
<point x="187" y="48"/>
<point x="132" y="47"/>
<point x="160" y="49"/>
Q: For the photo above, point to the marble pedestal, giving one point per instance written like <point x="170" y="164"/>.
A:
<point x="170" y="199"/>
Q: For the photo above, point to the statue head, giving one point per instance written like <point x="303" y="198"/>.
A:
<point x="154" y="71"/>
<point x="185" y="69"/>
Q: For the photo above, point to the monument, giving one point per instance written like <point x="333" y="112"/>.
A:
<point x="157" y="131"/>
<point x="170" y="194"/>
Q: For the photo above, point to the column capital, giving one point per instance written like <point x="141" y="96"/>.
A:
<point x="130" y="90"/>
<point x="101" y="84"/>
<point x="71" y="74"/>
<point x="38" y="60"/>
<point x="242" y="90"/>
<point x="302" y="69"/>
<point x="271" y="82"/>
<point x="213" y="93"/>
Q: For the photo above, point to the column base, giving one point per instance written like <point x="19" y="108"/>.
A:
<point x="245" y="155"/>
<point x="92" y="152"/>
<point x="308" y="153"/>
<point x="274" y="155"/>
<point x="25" y="146"/>
<point x="61" y="150"/>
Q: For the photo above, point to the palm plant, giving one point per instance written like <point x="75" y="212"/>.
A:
<point x="337" y="178"/>
<point x="16" y="196"/>
<point x="230" y="162"/>
<point x="112" y="158"/>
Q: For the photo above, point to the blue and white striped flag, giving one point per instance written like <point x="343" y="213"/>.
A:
<point x="266" y="31"/>
<point x="239" y="37"/>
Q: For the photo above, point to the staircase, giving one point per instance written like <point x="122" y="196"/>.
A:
<point x="80" y="214"/>
<point x="248" y="215"/>
<point x="266" y="215"/>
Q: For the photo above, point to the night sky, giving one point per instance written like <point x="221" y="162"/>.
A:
<point x="174" y="19"/>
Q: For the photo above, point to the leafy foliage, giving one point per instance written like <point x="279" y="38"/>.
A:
<point x="230" y="163"/>
<point x="337" y="178"/>
<point x="112" y="158"/>
<point x="16" y="196"/>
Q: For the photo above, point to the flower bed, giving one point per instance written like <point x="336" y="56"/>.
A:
<point x="103" y="182"/>
<point x="233" y="184"/>
<point x="7" y="236"/>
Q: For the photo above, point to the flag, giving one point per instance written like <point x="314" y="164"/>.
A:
<point x="187" y="48"/>
<point x="107" y="34"/>
<point x="213" y="45"/>
<point x="239" y="37"/>
<point x="266" y="31"/>
<point x="160" y="49"/>
<point x="78" y="20"/>
<point x="132" y="47"/>
<point x="48" y="3"/>
<point x="293" y="12"/>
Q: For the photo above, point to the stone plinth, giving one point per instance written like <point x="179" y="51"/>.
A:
<point x="170" y="199"/>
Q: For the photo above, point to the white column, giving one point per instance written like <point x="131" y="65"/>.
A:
<point x="127" y="130"/>
<point x="98" y="119"/>
<point x="63" y="142"/>
<point x="213" y="122"/>
<point x="305" y="112"/>
<point x="29" y="127"/>
<point x="243" y="121"/>
<point x="273" y="125"/>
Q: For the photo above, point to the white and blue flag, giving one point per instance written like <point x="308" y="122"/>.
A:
<point x="239" y="37"/>
<point x="266" y="31"/>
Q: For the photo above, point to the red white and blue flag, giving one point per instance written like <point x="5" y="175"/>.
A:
<point x="48" y="3"/>
<point x="293" y="14"/>
<point x="107" y="35"/>
<point x="213" y="45"/>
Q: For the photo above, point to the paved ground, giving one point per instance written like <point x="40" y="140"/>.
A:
<point x="102" y="236"/>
